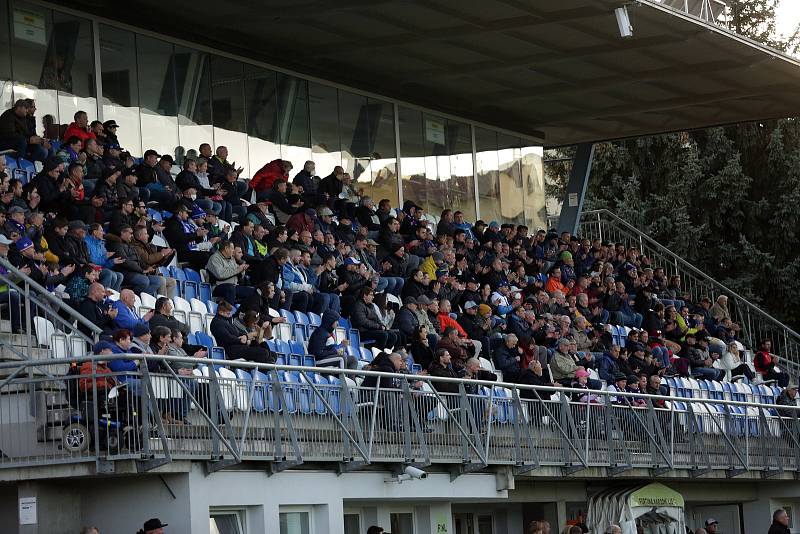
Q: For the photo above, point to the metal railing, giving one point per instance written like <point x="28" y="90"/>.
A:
<point x="287" y="415"/>
<point x="712" y="11"/>
<point x="755" y="323"/>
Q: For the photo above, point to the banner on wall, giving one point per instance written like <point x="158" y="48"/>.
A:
<point x="434" y="131"/>
<point x="29" y="26"/>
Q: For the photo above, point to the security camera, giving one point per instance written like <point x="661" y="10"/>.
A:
<point x="413" y="472"/>
<point x="623" y="22"/>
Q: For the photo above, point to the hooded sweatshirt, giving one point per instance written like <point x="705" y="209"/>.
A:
<point x="322" y="343"/>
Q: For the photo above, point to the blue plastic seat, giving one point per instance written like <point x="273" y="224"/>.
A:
<point x="297" y="347"/>
<point x="282" y="347"/>
<point x="280" y="360"/>
<point x="191" y="339"/>
<point x="309" y="361"/>
<point x="295" y="360"/>
<point x="217" y="353"/>
<point x="314" y="319"/>
<point x="206" y="340"/>
<point x="189" y="291"/>
<point x="366" y="354"/>
<point x="289" y="316"/>
<point x="261" y="391"/>
<point x="211" y="305"/>
<point x="155" y="215"/>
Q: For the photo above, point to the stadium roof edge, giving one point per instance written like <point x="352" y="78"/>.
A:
<point x="554" y="70"/>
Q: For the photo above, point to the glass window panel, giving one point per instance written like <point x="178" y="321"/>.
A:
<point x="488" y="174"/>
<point x="34" y="63"/>
<point x="261" y="105"/>
<point x="402" y="523"/>
<point x="225" y="523"/>
<point x="71" y="46"/>
<point x="352" y="524"/>
<point x="121" y="86"/>
<point x="228" y="110"/>
<point x="293" y="126"/>
<point x="532" y="168"/>
<point x="323" y="108"/>
<point x="412" y="151"/>
<point x="157" y="98"/>
<point x="6" y="85"/>
<point x="193" y="90"/>
<point x="512" y="195"/>
<point x="458" y="186"/>
<point x="382" y="168"/>
<point x="437" y="162"/>
<point x="294" y="523"/>
<point x="368" y="153"/>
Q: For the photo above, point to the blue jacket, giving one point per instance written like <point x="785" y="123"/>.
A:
<point x="606" y="367"/>
<point x="125" y="317"/>
<point x="122" y="366"/>
<point x="97" y="252"/>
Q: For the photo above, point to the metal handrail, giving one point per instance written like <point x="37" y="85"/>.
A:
<point x="730" y="292"/>
<point x="754" y="320"/>
<point x="267" y="367"/>
<point x="49" y="297"/>
<point x="378" y="424"/>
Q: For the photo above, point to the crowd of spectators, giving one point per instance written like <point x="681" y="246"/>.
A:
<point x="541" y="306"/>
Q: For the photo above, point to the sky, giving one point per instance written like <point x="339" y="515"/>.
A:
<point x="788" y="16"/>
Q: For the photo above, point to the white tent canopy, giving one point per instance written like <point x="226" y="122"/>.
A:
<point x="658" y="509"/>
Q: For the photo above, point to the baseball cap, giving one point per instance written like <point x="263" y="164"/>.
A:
<point x="15" y="209"/>
<point x="423" y="300"/>
<point x="167" y="157"/>
<point x="470" y="304"/>
<point x="409" y="300"/>
<point x="711" y="521"/>
<point x="581" y="372"/>
<point x="100" y="346"/>
<point x="110" y="124"/>
<point x="76" y="225"/>
<point x="325" y="211"/>
<point x="351" y="261"/>
<point x="198" y="213"/>
<point x="24" y="243"/>
<point x="150" y="152"/>
<point x="141" y="329"/>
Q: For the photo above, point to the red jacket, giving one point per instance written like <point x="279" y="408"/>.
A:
<point x="103" y="382"/>
<point x="763" y="362"/>
<point x="266" y="176"/>
<point x="301" y="221"/>
<point x="445" y="320"/>
<point x="73" y="130"/>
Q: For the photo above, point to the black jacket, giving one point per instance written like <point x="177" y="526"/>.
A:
<point x="146" y="175"/>
<point x="186" y="180"/>
<point x="384" y="365"/>
<point x="12" y="126"/>
<point x="53" y="199"/>
<point x="225" y="332"/>
<point x="177" y="239"/>
<point x="97" y="313"/>
<point x="363" y="317"/>
<point x="777" y="528"/>
<point x="437" y="369"/>
<point x="128" y="253"/>
<point x="470" y="325"/>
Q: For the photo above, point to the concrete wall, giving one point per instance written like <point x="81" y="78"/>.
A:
<point x="184" y="500"/>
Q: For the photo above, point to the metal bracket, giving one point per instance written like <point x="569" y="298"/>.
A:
<point x="277" y="467"/>
<point x="571" y="469"/>
<point x="218" y="465"/>
<point x="465" y="468"/>
<point x="143" y="466"/>
<point x="732" y="473"/>
<point x="658" y="471"/>
<point x="350" y="466"/>
<point x="769" y="473"/>
<point x="521" y="469"/>
<point x="104" y="467"/>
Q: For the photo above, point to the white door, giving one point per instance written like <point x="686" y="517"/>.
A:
<point x="727" y="515"/>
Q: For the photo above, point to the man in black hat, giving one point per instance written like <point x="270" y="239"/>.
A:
<point x="154" y="526"/>
<point x="110" y="129"/>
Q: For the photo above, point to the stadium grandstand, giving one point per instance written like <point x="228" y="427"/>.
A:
<point x="286" y="267"/>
